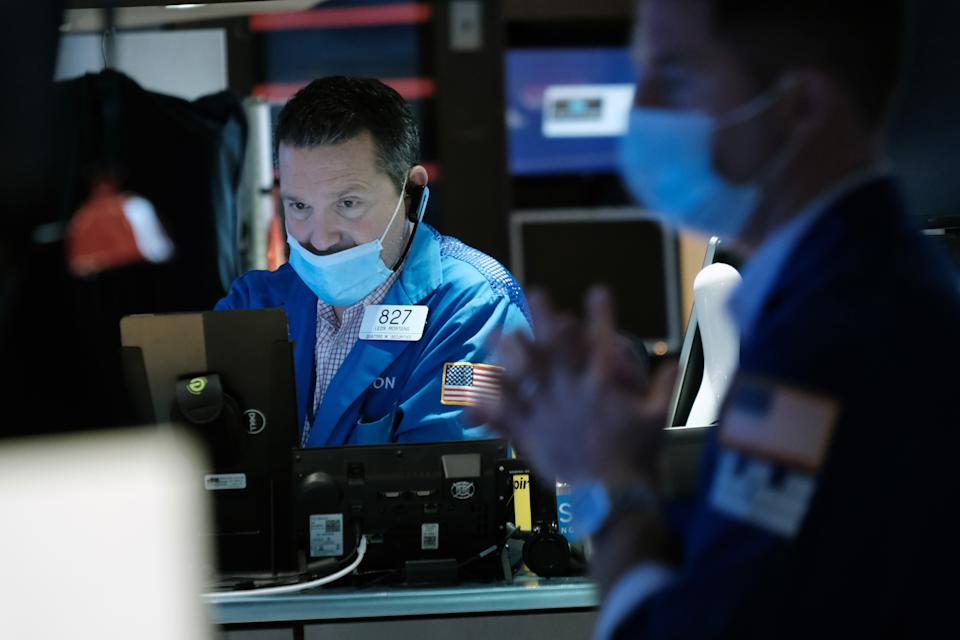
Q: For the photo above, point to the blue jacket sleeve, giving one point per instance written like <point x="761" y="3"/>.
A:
<point x="259" y="290"/>
<point x="237" y="298"/>
<point x="464" y="337"/>
<point x="704" y="599"/>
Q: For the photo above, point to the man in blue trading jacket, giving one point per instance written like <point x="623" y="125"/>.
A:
<point x="827" y="493"/>
<point x="389" y="318"/>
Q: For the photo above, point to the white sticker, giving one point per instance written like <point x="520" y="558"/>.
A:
<point x="750" y="494"/>
<point x="223" y="481"/>
<point x="586" y="110"/>
<point x="326" y="535"/>
<point x="430" y="536"/>
<point x="393" y="322"/>
<point x="466" y="25"/>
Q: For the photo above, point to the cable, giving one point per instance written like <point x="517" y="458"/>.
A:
<point x="313" y="569"/>
<point x="481" y="555"/>
<point x="220" y="596"/>
<point x="390" y="573"/>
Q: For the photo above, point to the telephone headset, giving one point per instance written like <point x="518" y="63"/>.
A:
<point x="419" y="194"/>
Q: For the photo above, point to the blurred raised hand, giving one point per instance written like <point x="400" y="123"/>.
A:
<point x="577" y="399"/>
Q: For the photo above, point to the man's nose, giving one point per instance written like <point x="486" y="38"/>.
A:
<point x="653" y="86"/>
<point x="323" y="237"/>
<point x="647" y="93"/>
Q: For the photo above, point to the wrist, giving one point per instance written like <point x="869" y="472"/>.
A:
<point x="631" y="499"/>
<point x="631" y="540"/>
<point x="632" y="533"/>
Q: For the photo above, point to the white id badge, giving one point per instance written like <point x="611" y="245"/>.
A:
<point x="393" y="322"/>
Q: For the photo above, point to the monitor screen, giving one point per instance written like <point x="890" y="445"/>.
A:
<point x="565" y="252"/>
<point x="566" y="109"/>
<point x="228" y="376"/>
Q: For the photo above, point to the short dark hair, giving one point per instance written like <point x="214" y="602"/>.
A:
<point x="861" y="45"/>
<point x="335" y="109"/>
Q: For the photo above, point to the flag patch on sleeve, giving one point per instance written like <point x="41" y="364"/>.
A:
<point x="469" y="384"/>
<point x="775" y="439"/>
<point x="779" y="423"/>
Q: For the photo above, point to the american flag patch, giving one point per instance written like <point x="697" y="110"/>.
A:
<point x="779" y="423"/>
<point x="469" y="384"/>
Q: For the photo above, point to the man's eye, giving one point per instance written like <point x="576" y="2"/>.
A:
<point x="297" y="206"/>
<point x="348" y="204"/>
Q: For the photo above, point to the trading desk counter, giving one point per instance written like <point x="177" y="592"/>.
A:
<point x="556" y="608"/>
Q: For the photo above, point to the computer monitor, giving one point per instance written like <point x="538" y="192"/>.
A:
<point x="566" y="108"/>
<point x="428" y="510"/>
<point x="566" y="251"/>
<point x="944" y="231"/>
<point x="228" y="375"/>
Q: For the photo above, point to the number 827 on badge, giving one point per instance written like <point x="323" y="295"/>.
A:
<point x="393" y="322"/>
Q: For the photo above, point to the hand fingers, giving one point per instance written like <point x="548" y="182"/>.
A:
<point x="600" y="311"/>
<point x="514" y="354"/>
<point x="503" y="416"/>
<point x="612" y="360"/>
<point x="630" y="366"/>
<point x="655" y="403"/>
<point x="664" y="381"/>
<point x="544" y="316"/>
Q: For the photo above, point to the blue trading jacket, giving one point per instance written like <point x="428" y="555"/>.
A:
<point x="389" y="391"/>
<point x="866" y="313"/>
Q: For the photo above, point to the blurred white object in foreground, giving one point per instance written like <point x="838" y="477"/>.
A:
<point x="102" y="537"/>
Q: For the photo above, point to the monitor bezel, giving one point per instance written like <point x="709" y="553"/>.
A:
<point x="522" y="218"/>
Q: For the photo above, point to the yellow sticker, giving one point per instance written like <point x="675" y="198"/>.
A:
<point x="522" y="513"/>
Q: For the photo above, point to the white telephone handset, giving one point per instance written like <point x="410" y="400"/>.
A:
<point x="720" y="338"/>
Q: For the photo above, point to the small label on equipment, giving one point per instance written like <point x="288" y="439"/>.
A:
<point x="430" y="536"/>
<point x="326" y="535"/>
<point x="222" y="481"/>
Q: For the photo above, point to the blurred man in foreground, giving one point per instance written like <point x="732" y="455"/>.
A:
<point x="823" y="504"/>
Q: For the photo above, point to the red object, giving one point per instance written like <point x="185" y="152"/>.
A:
<point x="276" y="245"/>
<point x="403" y="13"/>
<point x="99" y="237"/>
<point x="408" y="88"/>
<point x="433" y="172"/>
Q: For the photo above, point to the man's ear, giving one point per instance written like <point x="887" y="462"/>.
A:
<point x="418" y="176"/>
<point x="416" y="179"/>
<point x="812" y="98"/>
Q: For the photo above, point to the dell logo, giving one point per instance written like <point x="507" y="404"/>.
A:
<point x="256" y="421"/>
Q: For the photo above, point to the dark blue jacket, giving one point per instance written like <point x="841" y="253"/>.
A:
<point x="866" y="313"/>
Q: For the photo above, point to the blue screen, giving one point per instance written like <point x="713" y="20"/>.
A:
<point x="528" y="74"/>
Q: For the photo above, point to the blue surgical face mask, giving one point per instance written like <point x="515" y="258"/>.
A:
<point x="666" y="163"/>
<point x="346" y="277"/>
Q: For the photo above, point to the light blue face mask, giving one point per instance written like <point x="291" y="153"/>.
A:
<point x="346" y="277"/>
<point x="666" y="163"/>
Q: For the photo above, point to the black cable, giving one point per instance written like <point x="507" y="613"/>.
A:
<point x="498" y="548"/>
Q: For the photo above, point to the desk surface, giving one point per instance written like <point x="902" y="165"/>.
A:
<point x="524" y="594"/>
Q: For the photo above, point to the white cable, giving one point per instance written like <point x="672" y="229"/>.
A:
<point x="219" y="596"/>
